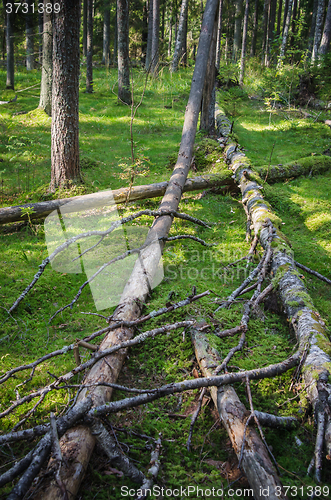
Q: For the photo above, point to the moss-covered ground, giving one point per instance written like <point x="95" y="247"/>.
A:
<point x="303" y="204"/>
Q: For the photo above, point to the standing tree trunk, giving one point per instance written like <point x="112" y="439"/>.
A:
<point x="285" y="34"/>
<point x="10" y="46"/>
<point x="115" y="38"/>
<point x="45" y="102"/>
<point x="219" y="35"/>
<point x="318" y="29"/>
<point x="285" y="14"/>
<point x="89" y="48"/>
<point x="144" y="33"/>
<point x="155" y="37"/>
<point x="65" y="95"/>
<point x="271" y="30"/>
<point x="84" y="27"/>
<point x="184" y="49"/>
<point x="149" y="37"/>
<point x="123" y="51"/>
<point x="243" y="49"/>
<point x="78" y="443"/>
<point x="279" y="17"/>
<point x="29" y="36"/>
<point x="312" y="29"/>
<point x="106" y="34"/>
<point x="40" y="31"/>
<point x="254" y="31"/>
<point x="180" y="36"/>
<point x="325" y="42"/>
<point x="170" y="29"/>
<point x="266" y="13"/>
<point x="237" y="30"/>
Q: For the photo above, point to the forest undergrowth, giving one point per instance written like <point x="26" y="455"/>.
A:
<point x="270" y="134"/>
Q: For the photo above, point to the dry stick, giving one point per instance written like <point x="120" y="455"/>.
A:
<point x="57" y="457"/>
<point x="297" y="303"/>
<point x="270" y="420"/>
<point x="63" y="423"/>
<point x="255" y="462"/>
<point x="153" y="470"/>
<point x="314" y="273"/>
<point x="127" y="324"/>
<point x="92" y="361"/>
<point x="114" y="225"/>
<point x="194" y="418"/>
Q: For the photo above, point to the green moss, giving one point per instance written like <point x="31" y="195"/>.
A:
<point x="323" y="343"/>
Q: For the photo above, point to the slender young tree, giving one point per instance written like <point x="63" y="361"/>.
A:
<point x="312" y="29"/>
<point x="180" y="36"/>
<point x="106" y="34"/>
<point x="29" y="28"/>
<point x="279" y="16"/>
<point x="89" y="48"/>
<point x="244" y="43"/>
<point x="255" y="25"/>
<point x="144" y="32"/>
<point x="285" y="34"/>
<point x="219" y="35"/>
<point x="10" y="44"/>
<point x="266" y="14"/>
<point x="84" y="27"/>
<point x="318" y="29"/>
<point x="45" y="101"/>
<point x="237" y="29"/>
<point x="124" y="93"/>
<point x="325" y="42"/>
<point x="65" y="125"/>
<point x="149" y="36"/>
<point x="170" y="29"/>
<point x="155" y="37"/>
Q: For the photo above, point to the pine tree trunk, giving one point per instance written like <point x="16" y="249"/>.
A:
<point x="40" y="38"/>
<point x="279" y="17"/>
<point x="106" y="34"/>
<point x="318" y="29"/>
<point x="285" y="14"/>
<point x="219" y="35"/>
<point x="149" y="37"/>
<point x="45" y="102"/>
<point x="266" y="13"/>
<point x="237" y="30"/>
<point x="325" y="42"/>
<point x="115" y="38"/>
<point x="285" y="33"/>
<point x="10" y="48"/>
<point x="255" y="25"/>
<point x="123" y="51"/>
<point x="312" y="29"/>
<point x="144" y="33"/>
<point x="29" y="37"/>
<point x="84" y="27"/>
<point x="89" y="48"/>
<point x="170" y="31"/>
<point x="65" y="95"/>
<point x="184" y="49"/>
<point x="271" y="30"/>
<point x="244" y="42"/>
<point x="155" y="37"/>
<point x="180" y="36"/>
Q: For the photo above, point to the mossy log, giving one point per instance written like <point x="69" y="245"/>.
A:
<point x="42" y="209"/>
<point x="77" y="445"/>
<point x="307" y="323"/>
<point x="255" y="461"/>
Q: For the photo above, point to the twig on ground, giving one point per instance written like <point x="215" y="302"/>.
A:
<point x="153" y="470"/>
<point x="314" y="273"/>
<point x="194" y="418"/>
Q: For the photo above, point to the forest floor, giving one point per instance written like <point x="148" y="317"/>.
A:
<point x="269" y="134"/>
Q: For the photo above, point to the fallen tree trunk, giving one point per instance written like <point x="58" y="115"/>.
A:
<point x="44" y="208"/>
<point x="77" y="445"/>
<point x="254" y="460"/>
<point x="310" y="329"/>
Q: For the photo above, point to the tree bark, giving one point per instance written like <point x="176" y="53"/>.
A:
<point x="106" y="34"/>
<point x="279" y="17"/>
<point x="219" y="35"/>
<point x="44" y="208"/>
<point x="149" y="37"/>
<point x="155" y="37"/>
<point x="255" y="461"/>
<point x="266" y="13"/>
<point x="312" y="29"/>
<point x="29" y="28"/>
<point x="318" y="29"/>
<point x="84" y="27"/>
<point x="309" y="328"/>
<point x="124" y="93"/>
<point x="243" y="49"/>
<point x="237" y="29"/>
<point x="45" y="101"/>
<point x="65" y="125"/>
<point x="78" y="444"/>
<point x="180" y="36"/>
<point x="89" y="48"/>
<point x="40" y="38"/>
<point x="285" y="33"/>
<point x="255" y="26"/>
<point x="144" y="33"/>
<point x="170" y="29"/>
<point x="325" y="42"/>
<point x="10" y="47"/>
